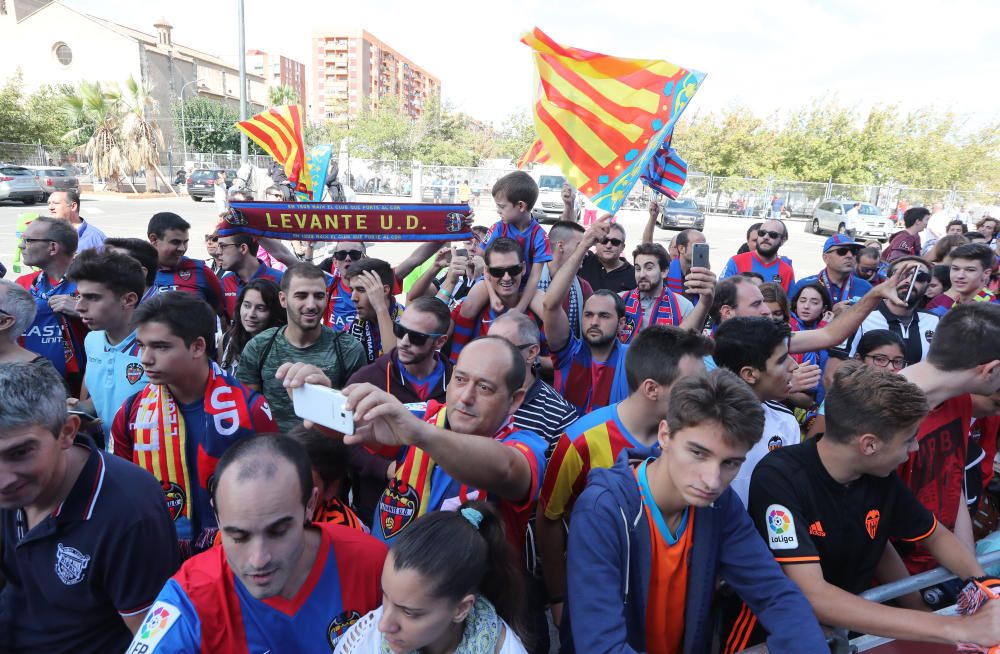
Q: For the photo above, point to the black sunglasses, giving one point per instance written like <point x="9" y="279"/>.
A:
<point x="761" y="233"/>
<point x="613" y="241"/>
<point x="417" y="339"/>
<point x="843" y="252"/>
<point x="499" y="272"/>
<point x="343" y="254"/>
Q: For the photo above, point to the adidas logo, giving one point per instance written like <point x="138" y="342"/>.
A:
<point x="816" y="529"/>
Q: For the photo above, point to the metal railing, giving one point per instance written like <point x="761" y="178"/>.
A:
<point x="891" y="591"/>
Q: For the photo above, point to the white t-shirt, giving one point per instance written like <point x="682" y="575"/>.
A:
<point x="780" y="429"/>
<point x="926" y="324"/>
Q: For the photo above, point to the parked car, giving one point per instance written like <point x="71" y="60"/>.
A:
<point x="19" y="183"/>
<point x="681" y="213"/>
<point x="53" y="178"/>
<point x="832" y="216"/>
<point x="201" y="182"/>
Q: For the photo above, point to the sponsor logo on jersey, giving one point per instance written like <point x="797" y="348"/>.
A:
<point x="774" y="443"/>
<point x="71" y="564"/>
<point x="134" y="372"/>
<point x="780" y="528"/>
<point x="397" y="507"/>
<point x="871" y="522"/>
<point x="816" y="529"/>
<point x="929" y="335"/>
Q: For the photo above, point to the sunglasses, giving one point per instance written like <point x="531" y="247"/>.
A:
<point x="355" y="255"/>
<point x="843" y="252"/>
<point x="499" y="272"/>
<point x="417" y="339"/>
<point x="613" y="241"/>
<point x="761" y="233"/>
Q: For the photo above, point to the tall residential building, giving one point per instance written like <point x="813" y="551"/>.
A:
<point x="353" y="70"/>
<point x="278" y="70"/>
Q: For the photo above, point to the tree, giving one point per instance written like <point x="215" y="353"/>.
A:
<point x="142" y="139"/>
<point x="281" y="95"/>
<point x="516" y="135"/>
<point x="208" y="126"/>
<point x="99" y="111"/>
<point x="384" y="133"/>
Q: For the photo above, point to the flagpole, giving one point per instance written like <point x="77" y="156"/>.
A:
<point x="244" y="147"/>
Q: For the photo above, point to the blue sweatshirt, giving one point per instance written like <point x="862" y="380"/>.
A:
<point x="609" y="562"/>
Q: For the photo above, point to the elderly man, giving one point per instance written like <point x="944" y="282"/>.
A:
<point x="463" y="449"/>
<point x="87" y="538"/>
<point x="17" y="311"/>
<point x="65" y="205"/>
<point x="301" y="584"/>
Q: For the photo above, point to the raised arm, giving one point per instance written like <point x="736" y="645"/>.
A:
<point x="277" y="249"/>
<point x="647" y="232"/>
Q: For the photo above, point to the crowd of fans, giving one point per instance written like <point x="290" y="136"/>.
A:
<point x="554" y="447"/>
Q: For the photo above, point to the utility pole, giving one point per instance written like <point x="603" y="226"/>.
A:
<point x="244" y="146"/>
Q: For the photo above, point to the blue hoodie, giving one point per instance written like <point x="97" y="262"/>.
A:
<point x="609" y="561"/>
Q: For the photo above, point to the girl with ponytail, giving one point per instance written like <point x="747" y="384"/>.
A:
<point x="450" y="584"/>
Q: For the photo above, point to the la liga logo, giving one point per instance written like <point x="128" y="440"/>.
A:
<point x="156" y="622"/>
<point x="780" y="528"/>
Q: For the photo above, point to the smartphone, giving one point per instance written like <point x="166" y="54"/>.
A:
<point x="913" y="282"/>
<point x="83" y="415"/>
<point x="324" y="406"/>
<point x="699" y="255"/>
<point x="462" y="252"/>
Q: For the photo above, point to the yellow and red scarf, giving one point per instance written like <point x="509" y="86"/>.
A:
<point x="160" y="435"/>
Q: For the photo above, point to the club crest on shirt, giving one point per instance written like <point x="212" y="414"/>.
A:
<point x="929" y="335"/>
<point x="397" y="507"/>
<point x="339" y="626"/>
<point x="871" y="523"/>
<point x="71" y="564"/>
<point x="184" y="274"/>
<point x="774" y="443"/>
<point x="134" y="372"/>
<point x="626" y="330"/>
<point x="176" y="499"/>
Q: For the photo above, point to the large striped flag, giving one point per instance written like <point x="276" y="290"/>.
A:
<point x="601" y="119"/>
<point x="279" y="131"/>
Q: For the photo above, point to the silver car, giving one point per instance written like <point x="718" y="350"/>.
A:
<point x="19" y="183"/>
<point x="54" y="178"/>
<point x="836" y="216"/>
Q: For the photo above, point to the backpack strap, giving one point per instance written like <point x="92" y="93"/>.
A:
<point x="267" y="350"/>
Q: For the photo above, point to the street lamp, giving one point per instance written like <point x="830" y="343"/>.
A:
<point x="183" y="129"/>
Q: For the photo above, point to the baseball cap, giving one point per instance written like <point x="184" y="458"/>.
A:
<point x="840" y="241"/>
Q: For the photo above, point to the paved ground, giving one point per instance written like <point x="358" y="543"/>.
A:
<point x="123" y="217"/>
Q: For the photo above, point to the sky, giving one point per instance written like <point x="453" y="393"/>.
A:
<point x="770" y="56"/>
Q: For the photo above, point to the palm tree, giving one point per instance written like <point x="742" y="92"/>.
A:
<point x="98" y="112"/>
<point x="141" y="137"/>
<point x="280" y="95"/>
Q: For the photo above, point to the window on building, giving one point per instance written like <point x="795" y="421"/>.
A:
<point x="62" y="53"/>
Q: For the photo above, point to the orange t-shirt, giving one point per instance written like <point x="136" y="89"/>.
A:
<point x="668" y="582"/>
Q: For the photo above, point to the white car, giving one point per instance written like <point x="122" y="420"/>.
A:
<point x="19" y="183"/>
<point x="835" y="216"/>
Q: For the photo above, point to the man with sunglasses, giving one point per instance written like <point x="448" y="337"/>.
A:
<point x="238" y="255"/>
<point x="504" y="271"/>
<point x="414" y="372"/>
<point x="57" y="332"/>
<point x="915" y="327"/>
<point x="840" y="254"/>
<point x="605" y="267"/>
<point x="869" y="266"/>
<point x="765" y="259"/>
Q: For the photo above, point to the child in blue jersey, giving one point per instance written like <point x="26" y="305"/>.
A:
<point x="515" y="195"/>
<point x="278" y="582"/>
<point x="109" y="285"/>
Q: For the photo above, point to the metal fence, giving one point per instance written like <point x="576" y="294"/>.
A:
<point x="715" y="194"/>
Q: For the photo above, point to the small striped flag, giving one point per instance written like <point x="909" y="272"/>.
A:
<point x="279" y="131"/>
<point x="601" y="119"/>
<point x="666" y="172"/>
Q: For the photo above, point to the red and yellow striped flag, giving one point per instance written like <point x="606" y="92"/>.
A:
<point x="599" y="118"/>
<point x="279" y="131"/>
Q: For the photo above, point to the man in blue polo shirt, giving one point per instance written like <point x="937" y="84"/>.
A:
<point x="239" y="258"/>
<point x="109" y="285"/>
<point x="840" y="254"/>
<point x="87" y="540"/>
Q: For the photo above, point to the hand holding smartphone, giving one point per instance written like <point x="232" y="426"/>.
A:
<point x="323" y="406"/>
<point x="699" y="256"/>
